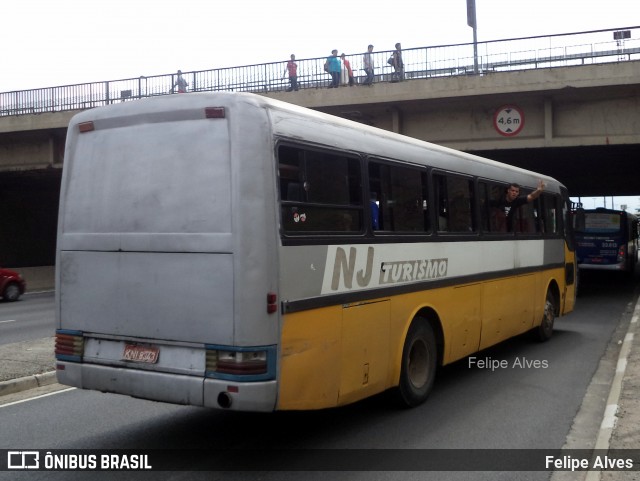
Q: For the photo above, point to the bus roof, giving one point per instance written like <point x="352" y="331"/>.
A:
<point x="289" y="121"/>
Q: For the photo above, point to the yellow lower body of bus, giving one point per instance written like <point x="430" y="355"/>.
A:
<point x="336" y="355"/>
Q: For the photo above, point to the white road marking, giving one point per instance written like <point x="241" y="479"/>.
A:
<point x="36" y="397"/>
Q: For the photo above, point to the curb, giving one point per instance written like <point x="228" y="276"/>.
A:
<point x="28" y="382"/>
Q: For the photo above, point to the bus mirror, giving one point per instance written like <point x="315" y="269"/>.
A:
<point x="579" y="220"/>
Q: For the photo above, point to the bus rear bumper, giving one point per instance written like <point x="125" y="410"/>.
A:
<point x="170" y="388"/>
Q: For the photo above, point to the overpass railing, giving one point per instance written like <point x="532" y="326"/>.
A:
<point x="484" y="58"/>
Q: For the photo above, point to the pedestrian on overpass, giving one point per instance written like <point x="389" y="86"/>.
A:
<point x="332" y="66"/>
<point x="292" y="68"/>
<point x="181" y="83"/>
<point x="398" y="64"/>
<point x="368" y="66"/>
<point x="347" y="73"/>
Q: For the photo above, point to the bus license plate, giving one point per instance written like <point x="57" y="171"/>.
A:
<point x="146" y="354"/>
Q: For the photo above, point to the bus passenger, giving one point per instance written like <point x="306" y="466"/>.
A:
<point x="512" y="200"/>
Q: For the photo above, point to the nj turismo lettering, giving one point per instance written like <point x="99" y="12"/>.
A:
<point x="390" y="272"/>
<point x="418" y="270"/>
<point x="341" y="264"/>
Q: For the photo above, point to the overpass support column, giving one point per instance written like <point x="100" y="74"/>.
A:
<point x="396" y="120"/>
<point x="548" y="121"/>
<point x="52" y="152"/>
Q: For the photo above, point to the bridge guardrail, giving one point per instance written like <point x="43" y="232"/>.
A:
<point x="597" y="46"/>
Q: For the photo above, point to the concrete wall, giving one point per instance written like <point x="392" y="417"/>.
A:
<point x="25" y="152"/>
<point x="39" y="278"/>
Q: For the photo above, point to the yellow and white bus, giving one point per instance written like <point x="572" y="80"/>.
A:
<point x="231" y="251"/>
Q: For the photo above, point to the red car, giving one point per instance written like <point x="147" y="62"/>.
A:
<point x="12" y="285"/>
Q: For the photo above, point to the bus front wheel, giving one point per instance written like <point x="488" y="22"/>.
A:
<point x="419" y="361"/>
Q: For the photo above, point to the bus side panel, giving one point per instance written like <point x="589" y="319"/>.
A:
<point x="456" y="308"/>
<point x="508" y="308"/>
<point x="365" y="350"/>
<point x="464" y="323"/>
<point x="310" y="359"/>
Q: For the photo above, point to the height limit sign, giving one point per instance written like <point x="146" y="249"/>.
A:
<point x="508" y="120"/>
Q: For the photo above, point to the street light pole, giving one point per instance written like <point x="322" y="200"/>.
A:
<point x="471" y="21"/>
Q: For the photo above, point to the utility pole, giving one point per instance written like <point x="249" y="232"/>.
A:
<point x="471" y="21"/>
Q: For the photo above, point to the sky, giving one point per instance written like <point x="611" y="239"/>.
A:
<point x="630" y="204"/>
<point x="60" y="42"/>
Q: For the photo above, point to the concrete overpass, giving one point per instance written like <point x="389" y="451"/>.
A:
<point x="580" y="124"/>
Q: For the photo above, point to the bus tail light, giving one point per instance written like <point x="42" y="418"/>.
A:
<point x="252" y="362"/>
<point x="215" y="112"/>
<point x="69" y="345"/>
<point x="86" y="127"/>
<point x="622" y="253"/>
<point x="242" y="364"/>
<point x="272" y="299"/>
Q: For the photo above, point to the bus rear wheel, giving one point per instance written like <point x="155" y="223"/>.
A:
<point x="419" y="361"/>
<point x="545" y="330"/>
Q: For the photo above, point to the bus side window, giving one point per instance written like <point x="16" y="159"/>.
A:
<point x="454" y="197"/>
<point x="498" y="220"/>
<point x="294" y="192"/>
<point x="549" y="209"/>
<point x="289" y="173"/>
<point x="442" y="209"/>
<point x="375" y="213"/>
<point x="524" y="220"/>
<point x="398" y="200"/>
<point x="492" y="216"/>
<point x="320" y="191"/>
<point x="538" y="214"/>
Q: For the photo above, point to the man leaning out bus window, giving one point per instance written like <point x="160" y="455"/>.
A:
<point x="512" y="200"/>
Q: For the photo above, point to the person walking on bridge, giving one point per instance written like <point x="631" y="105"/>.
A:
<point x="347" y="73"/>
<point x="332" y="66"/>
<point x="292" y="68"/>
<point x="181" y="83"/>
<point x="398" y="64"/>
<point x="368" y="66"/>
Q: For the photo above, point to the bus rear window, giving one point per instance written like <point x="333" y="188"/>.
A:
<point x="320" y="191"/>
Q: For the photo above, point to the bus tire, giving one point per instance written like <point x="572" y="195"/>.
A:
<point x="545" y="330"/>
<point x="419" y="361"/>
